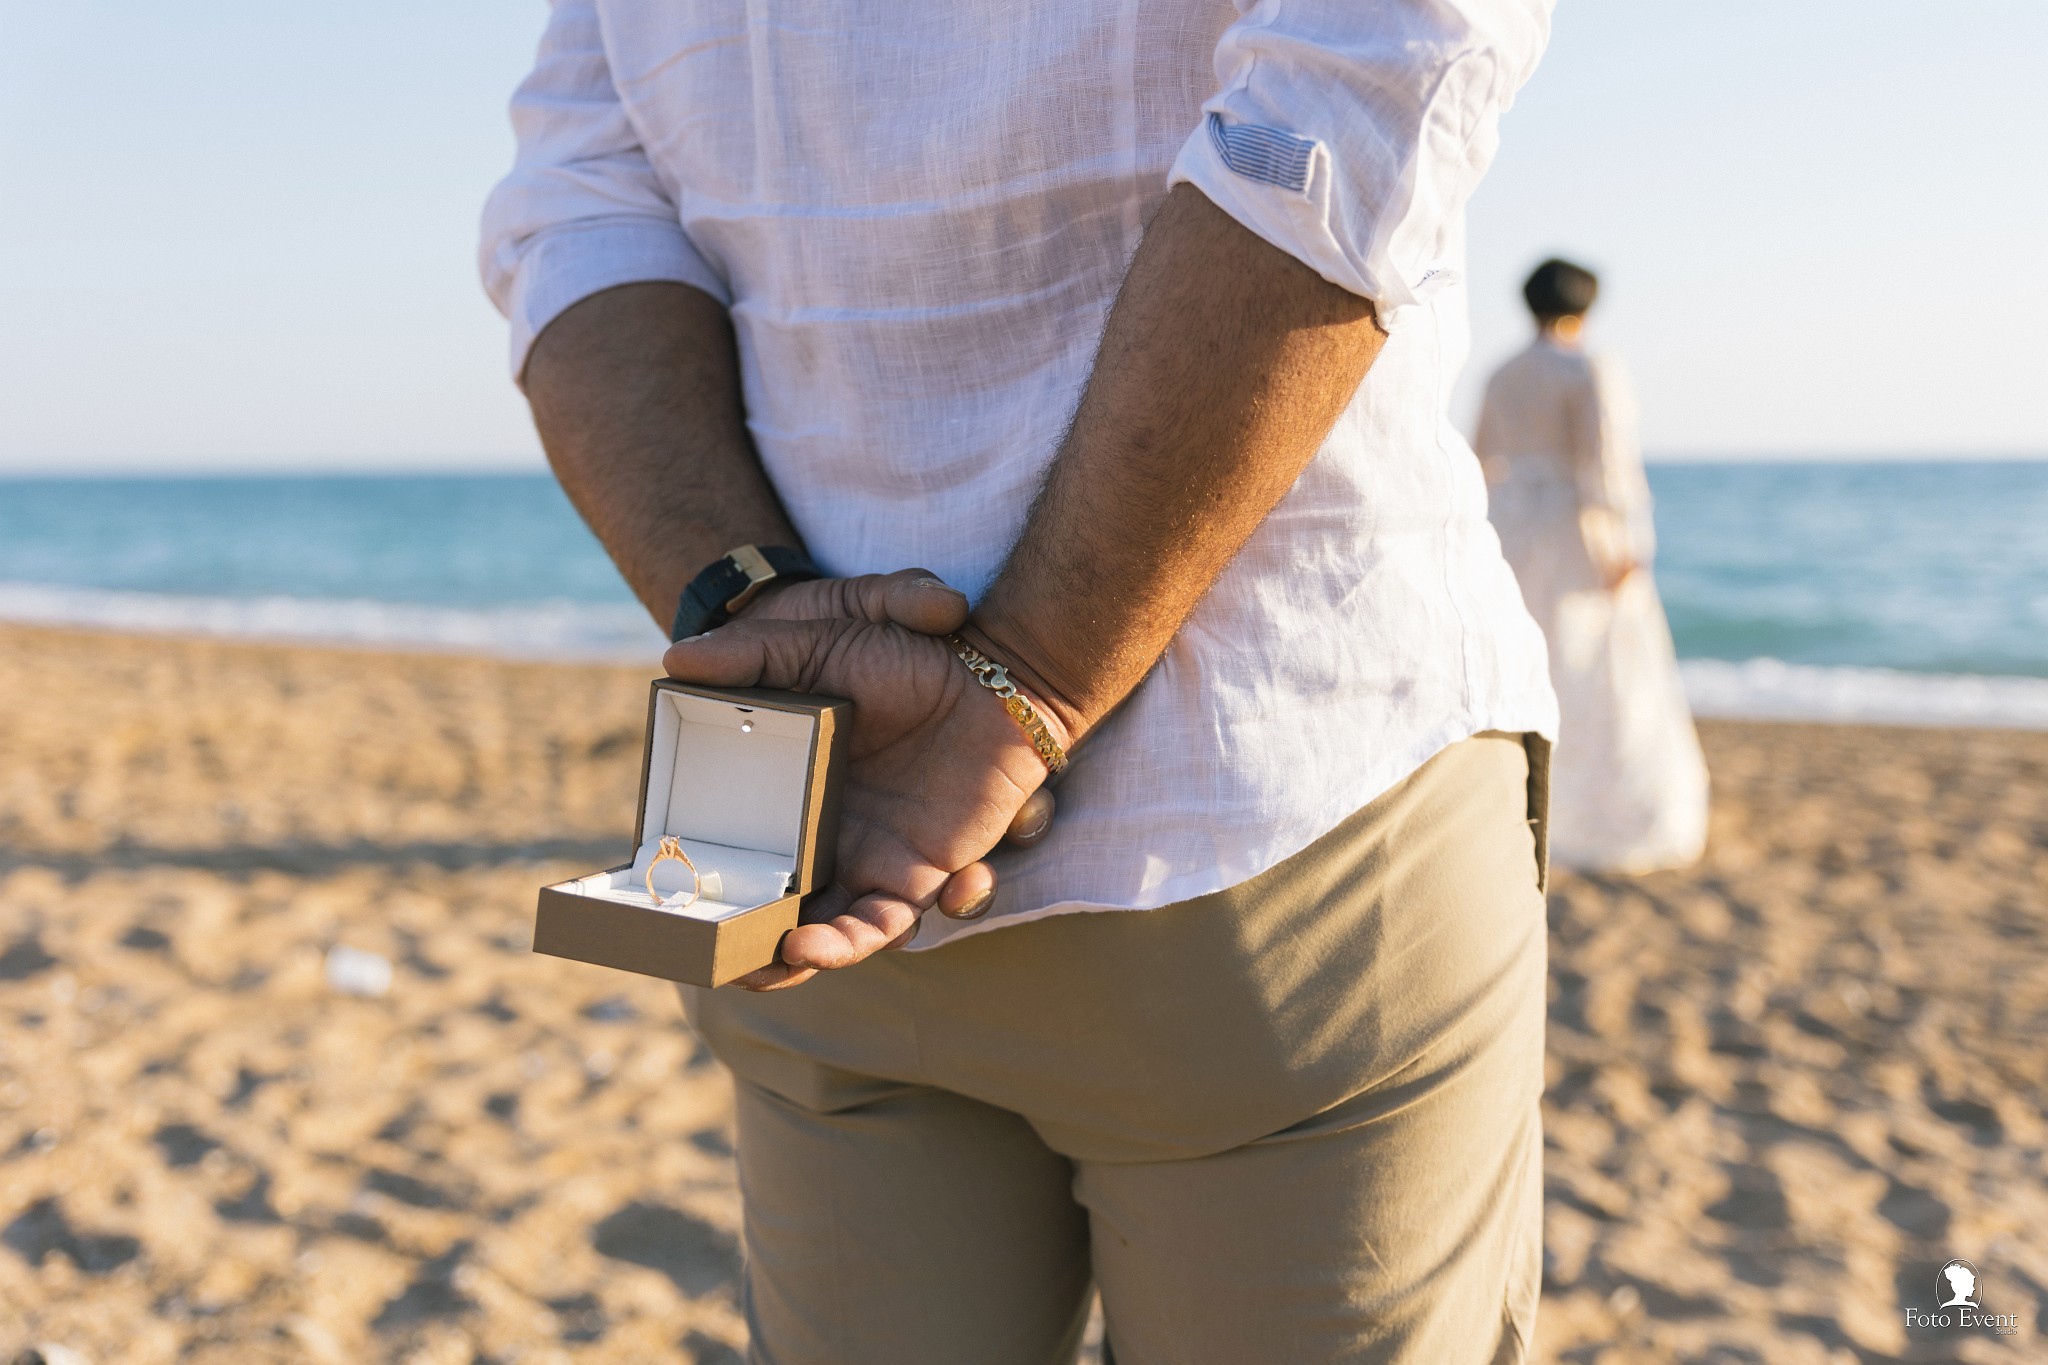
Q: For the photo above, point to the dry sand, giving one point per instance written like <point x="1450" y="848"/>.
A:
<point x="1785" y="1086"/>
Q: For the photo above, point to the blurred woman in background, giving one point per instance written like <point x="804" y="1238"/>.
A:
<point x="1569" y="498"/>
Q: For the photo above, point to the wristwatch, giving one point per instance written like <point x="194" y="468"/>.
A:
<point x="731" y="582"/>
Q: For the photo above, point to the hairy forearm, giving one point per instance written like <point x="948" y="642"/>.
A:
<point x="636" y="395"/>
<point x="1223" y="367"/>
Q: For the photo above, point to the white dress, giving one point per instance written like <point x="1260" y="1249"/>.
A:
<point x="1557" y="440"/>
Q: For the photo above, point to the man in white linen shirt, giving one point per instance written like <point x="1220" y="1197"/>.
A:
<point x="1131" y="325"/>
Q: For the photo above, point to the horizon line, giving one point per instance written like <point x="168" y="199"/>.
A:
<point x="508" y="466"/>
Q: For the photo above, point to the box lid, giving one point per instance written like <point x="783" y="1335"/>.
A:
<point x="752" y="769"/>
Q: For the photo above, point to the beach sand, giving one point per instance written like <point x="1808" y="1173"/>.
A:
<point x="1785" y="1086"/>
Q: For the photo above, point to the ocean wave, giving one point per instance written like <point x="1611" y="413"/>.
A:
<point x="557" y="629"/>
<point x="601" y="632"/>
<point x="1769" y="689"/>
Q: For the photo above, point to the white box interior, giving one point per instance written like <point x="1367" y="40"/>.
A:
<point x="727" y="780"/>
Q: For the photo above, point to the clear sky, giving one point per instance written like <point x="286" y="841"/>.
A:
<point x="240" y="235"/>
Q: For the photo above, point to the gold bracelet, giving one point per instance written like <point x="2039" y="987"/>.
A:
<point x="996" y="679"/>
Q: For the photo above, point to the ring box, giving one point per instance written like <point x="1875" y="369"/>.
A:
<point x="748" y="780"/>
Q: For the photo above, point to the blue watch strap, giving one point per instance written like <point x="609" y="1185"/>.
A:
<point x="709" y="600"/>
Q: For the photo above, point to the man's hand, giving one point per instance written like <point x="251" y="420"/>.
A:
<point x="917" y="600"/>
<point x="914" y="598"/>
<point x="937" y="769"/>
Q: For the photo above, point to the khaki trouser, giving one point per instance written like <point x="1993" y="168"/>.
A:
<point x="1295" y="1121"/>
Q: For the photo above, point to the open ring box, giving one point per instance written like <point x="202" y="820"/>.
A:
<point x="748" y="780"/>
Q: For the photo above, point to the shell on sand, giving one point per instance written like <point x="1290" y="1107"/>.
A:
<point x="1785" y="1086"/>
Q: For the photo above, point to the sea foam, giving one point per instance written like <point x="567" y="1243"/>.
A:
<point x="1768" y="689"/>
<point x="557" y="629"/>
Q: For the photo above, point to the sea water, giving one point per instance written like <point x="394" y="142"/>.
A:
<point x="1914" y="592"/>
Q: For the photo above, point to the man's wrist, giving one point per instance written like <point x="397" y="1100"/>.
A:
<point x="1007" y="646"/>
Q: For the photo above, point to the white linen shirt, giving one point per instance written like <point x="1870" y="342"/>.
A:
<point x="919" y="215"/>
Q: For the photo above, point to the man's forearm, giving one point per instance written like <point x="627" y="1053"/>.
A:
<point x="636" y="395"/>
<point x="1223" y="367"/>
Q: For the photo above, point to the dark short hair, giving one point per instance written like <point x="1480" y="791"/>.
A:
<point x="1559" y="289"/>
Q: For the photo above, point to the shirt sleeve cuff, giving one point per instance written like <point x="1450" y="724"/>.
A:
<point x="1282" y="193"/>
<point x="568" y="264"/>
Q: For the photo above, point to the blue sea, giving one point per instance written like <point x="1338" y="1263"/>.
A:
<point x="1913" y="592"/>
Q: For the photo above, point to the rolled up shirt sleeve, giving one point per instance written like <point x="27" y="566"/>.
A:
<point x="582" y="210"/>
<point x="1350" y="135"/>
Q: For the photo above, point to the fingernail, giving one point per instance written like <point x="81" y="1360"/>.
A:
<point x="975" y="908"/>
<point x="936" y="583"/>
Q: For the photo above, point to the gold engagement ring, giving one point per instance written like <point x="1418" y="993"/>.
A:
<point x="672" y="850"/>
